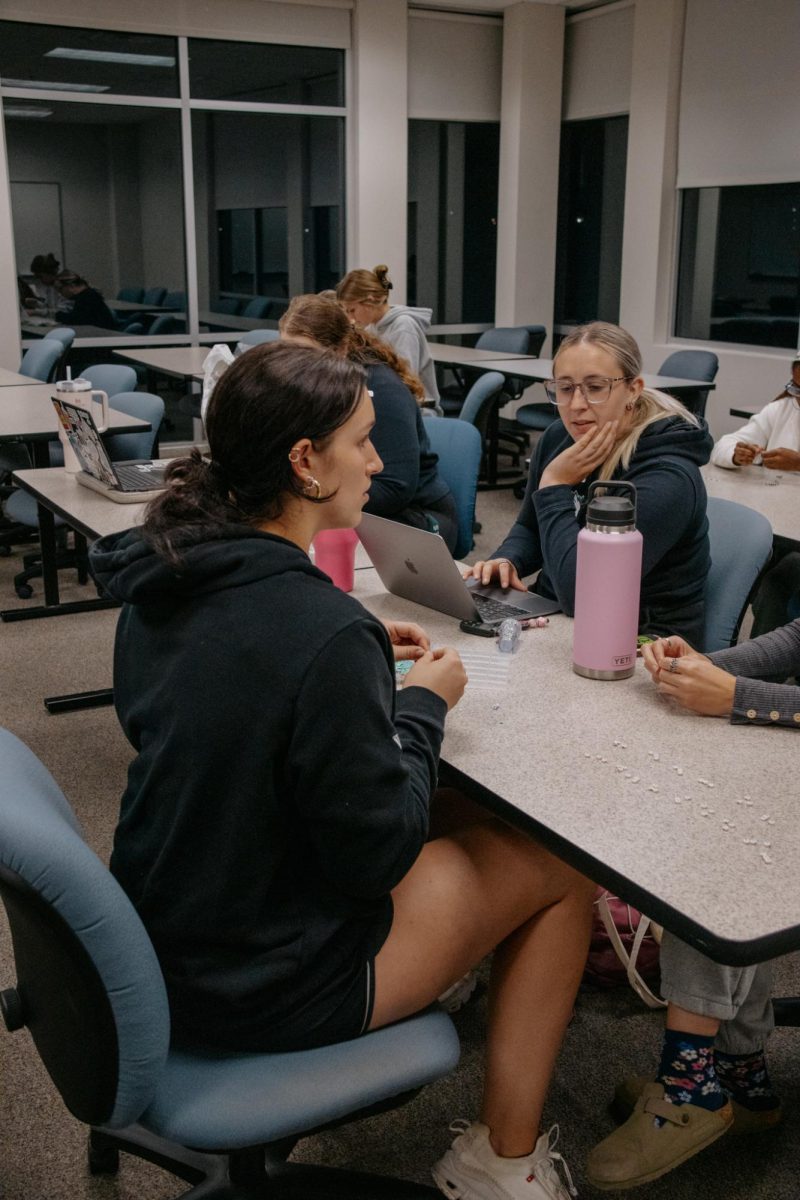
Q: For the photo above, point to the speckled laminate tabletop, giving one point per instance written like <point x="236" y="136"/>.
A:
<point x="692" y="816"/>
<point x="775" y="494"/>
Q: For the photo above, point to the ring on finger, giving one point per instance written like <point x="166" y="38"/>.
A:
<point x="673" y="666"/>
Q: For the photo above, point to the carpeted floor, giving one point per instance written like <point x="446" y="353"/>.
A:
<point x="42" y="1149"/>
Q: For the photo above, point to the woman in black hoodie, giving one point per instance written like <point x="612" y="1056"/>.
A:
<point x="273" y="832"/>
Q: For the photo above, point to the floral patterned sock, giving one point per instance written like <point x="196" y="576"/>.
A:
<point x="746" y="1080"/>
<point x="687" y="1070"/>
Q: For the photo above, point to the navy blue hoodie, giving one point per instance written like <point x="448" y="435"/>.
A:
<point x="280" y="787"/>
<point x="670" y="514"/>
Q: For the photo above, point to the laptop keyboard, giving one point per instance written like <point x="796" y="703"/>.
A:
<point x="132" y="478"/>
<point x="496" y="610"/>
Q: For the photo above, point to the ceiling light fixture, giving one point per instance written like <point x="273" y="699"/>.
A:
<point x="48" y="85"/>
<point x="112" y="56"/>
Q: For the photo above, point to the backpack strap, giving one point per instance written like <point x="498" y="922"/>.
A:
<point x="629" y="960"/>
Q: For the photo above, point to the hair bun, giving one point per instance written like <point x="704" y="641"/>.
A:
<point x="381" y="272"/>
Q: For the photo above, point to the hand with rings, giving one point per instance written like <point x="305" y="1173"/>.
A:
<point x="659" y="655"/>
<point x="497" y="570"/>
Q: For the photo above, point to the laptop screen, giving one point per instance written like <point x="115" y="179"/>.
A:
<point x="86" y="441"/>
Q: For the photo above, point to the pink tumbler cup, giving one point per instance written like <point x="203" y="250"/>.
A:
<point x="335" y="554"/>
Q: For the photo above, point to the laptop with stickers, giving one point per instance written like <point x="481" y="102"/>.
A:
<point x="123" y="482"/>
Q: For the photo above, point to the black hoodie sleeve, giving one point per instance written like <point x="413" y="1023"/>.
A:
<point x="363" y="768"/>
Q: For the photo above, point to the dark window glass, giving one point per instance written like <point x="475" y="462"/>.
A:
<point x="269" y="202"/>
<point x="591" y="201"/>
<point x="452" y="218"/>
<point x="91" y="60"/>
<point x="739" y="265"/>
<point x="269" y="74"/>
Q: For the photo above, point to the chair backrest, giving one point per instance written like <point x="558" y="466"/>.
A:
<point x="226" y="304"/>
<point x="122" y="446"/>
<point x="132" y="294"/>
<point x="741" y="544"/>
<point x="176" y="300"/>
<point x="40" y="360"/>
<point x="459" y="447"/>
<point x="110" y="378"/>
<point x="475" y="408"/>
<point x="166" y="324"/>
<point x="692" y="364"/>
<point x="254" y="337"/>
<point x="133" y="327"/>
<point x="513" y="339"/>
<point x="154" y="295"/>
<point x="89" y="987"/>
<point x="63" y="335"/>
<point x="257" y="308"/>
<point x="536" y="336"/>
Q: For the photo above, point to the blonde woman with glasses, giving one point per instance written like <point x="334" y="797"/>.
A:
<point x="613" y="427"/>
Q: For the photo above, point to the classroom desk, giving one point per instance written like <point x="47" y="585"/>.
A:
<point x="775" y="494"/>
<point x="40" y="327"/>
<point x="745" y="412"/>
<point x="539" y="369"/>
<point x="470" y="356"/>
<point x="185" y="362"/>
<point x="14" y="379"/>
<point x="31" y="418"/>
<point x="572" y="761"/>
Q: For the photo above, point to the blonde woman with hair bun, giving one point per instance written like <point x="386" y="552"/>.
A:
<point x="364" y="296"/>
<point x="613" y="427"/>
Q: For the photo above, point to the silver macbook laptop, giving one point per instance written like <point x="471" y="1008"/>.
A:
<point x="417" y="565"/>
<point x="123" y="482"/>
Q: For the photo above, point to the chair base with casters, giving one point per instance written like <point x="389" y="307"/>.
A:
<point x="90" y="991"/>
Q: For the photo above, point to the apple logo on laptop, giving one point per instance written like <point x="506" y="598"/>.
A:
<point x="411" y="567"/>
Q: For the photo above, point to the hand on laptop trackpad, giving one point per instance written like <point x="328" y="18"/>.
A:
<point x="530" y="602"/>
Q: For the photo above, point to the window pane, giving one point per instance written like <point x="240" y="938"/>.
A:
<point x="269" y="199"/>
<point x="739" y="266"/>
<point x="270" y="74"/>
<point x="108" y="198"/>
<point x="591" y="201"/>
<point x="452" y="218"/>
<point x="93" y="60"/>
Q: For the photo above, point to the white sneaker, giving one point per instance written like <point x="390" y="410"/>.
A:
<point x="459" y="993"/>
<point x="470" y="1170"/>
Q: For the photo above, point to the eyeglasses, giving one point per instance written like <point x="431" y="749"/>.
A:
<point x="595" y="389"/>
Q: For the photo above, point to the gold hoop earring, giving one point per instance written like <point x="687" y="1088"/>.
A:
<point x="312" y="483"/>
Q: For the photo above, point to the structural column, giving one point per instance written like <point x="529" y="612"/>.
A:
<point x="379" y="139"/>
<point x="530" y="137"/>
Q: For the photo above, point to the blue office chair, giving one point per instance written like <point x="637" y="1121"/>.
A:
<point x="154" y="295"/>
<point x="741" y="545"/>
<point x="39" y="362"/>
<point x="259" y="307"/>
<point x="459" y="448"/>
<point x="146" y="406"/>
<point x="226" y="304"/>
<point x="91" y="993"/>
<point x="63" y="335"/>
<point x="255" y="337"/>
<point x="691" y="364"/>
<point x="480" y="408"/>
<point x="110" y="378"/>
<point x="166" y="324"/>
<point x="175" y="300"/>
<point x="133" y="295"/>
<point x="133" y="327"/>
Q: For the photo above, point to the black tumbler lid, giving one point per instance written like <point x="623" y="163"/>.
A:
<point x="609" y="509"/>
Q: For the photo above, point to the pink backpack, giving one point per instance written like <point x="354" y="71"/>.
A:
<point x="624" y="948"/>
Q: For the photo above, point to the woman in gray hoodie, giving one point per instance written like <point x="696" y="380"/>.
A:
<point x="364" y="295"/>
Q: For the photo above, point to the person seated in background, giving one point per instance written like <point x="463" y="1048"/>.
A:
<point x="771" y="439"/>
<point x="612" y="427"/>
<point x="273" y="831"/>
<point x="408" y="488"/>
<point x="713" y="1074"/>
<point x="87" y="306"/>
<point x="364" y="296"/>
<point x="45" y="268"/>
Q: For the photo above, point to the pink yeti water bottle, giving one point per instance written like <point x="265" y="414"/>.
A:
<point x="335" y="554"/>
<point x="607" y="584"/>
